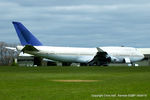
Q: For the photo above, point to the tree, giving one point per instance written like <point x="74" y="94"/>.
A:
<point x="7" y="56"/>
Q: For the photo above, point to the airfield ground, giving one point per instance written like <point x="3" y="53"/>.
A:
<point x="74" y="83"/>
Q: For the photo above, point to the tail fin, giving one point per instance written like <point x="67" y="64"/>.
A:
<point x="25" y="36"/>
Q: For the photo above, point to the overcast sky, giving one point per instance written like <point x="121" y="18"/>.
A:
<point x="79" y="23"/>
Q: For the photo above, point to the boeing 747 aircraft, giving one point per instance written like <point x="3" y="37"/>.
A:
<point x="91" y="56"/>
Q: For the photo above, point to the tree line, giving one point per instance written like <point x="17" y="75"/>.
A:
<point x="7" y="56"/>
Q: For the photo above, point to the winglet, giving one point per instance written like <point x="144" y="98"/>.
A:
<point x="25" y="36"/>
<point x="99" y="49"/>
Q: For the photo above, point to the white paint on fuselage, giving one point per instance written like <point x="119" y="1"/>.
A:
<point x="124" y="52"/>
<point x="68" y="54"/>
<point x="84" y="55"/>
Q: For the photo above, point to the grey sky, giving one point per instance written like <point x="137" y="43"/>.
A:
<point x="82" y="23"/>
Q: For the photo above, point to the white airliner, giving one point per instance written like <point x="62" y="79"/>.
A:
<point x="90" y="56"/>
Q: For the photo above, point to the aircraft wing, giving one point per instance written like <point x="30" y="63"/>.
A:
<point x="25" y="54"/>
<point x="99" y="49"/>
<point x="101" y="58"/>
<point x="11" y="48"/>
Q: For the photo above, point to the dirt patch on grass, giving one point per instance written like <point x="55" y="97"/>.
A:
<point x="75" y="80"/>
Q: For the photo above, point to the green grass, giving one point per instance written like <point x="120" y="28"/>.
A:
<point x="35" y="83"/>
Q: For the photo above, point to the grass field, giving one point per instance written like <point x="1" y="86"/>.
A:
<point x="44" y="83"/>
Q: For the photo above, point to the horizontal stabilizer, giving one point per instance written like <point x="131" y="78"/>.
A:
<point x="11" y="48"/>
<point x="29" y="48"/>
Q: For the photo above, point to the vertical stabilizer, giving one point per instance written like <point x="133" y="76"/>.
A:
<point x="25" y="36"/>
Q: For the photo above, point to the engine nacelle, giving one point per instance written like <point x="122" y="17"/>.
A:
<point x="115" y="60"/>
<point x="127" y="60"/>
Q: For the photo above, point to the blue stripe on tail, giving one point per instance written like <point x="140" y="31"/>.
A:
<point x="25" y="36"/>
